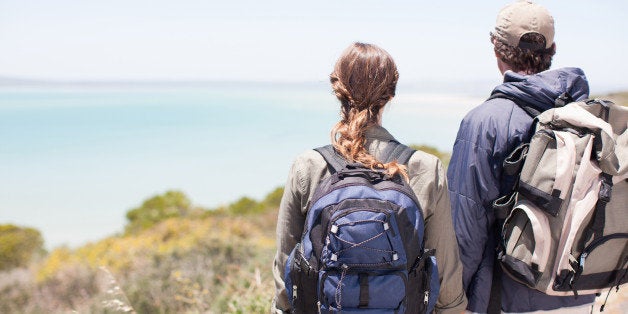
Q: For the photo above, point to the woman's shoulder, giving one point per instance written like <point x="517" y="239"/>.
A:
<point x="422" y="162"/>
<point x="308" y="169"/>
<point x="307" y="165"/>
<point x="309" y="159"/>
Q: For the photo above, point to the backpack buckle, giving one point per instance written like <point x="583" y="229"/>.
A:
<point x="606" y="189"/>
<point x="563" y="99"/>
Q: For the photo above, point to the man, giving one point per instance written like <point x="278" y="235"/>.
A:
<point x="524" y="46"/>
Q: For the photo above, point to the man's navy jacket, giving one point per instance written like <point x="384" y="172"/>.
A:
<point x="486" y="136"/>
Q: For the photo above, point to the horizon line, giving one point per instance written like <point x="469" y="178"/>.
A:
<point x="10" y="79"/>
<point x="440" y="82"/>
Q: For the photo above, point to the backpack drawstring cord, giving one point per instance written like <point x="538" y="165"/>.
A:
<point x="338" y="295"/>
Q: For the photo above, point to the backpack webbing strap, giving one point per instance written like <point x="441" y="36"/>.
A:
<point x="604" y="196"/>
<point x="596" y="228"/>
<point x="397" y="151"/>
<point x="335" y="162"/>
<point x="512" y="167"/>
<point x="363" y="279"/>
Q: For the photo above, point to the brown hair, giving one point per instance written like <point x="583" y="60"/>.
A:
<point x="364" y="80"/>
<point x="528" y="60"/>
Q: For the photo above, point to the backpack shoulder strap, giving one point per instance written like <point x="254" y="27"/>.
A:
<point x="393" y="151"/>
<point x="335" y="162"/>
<point x="531" y="111"/>
<point x="397" y="151"/>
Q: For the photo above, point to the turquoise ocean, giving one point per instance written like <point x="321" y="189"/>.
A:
<point x="75" y="157"/>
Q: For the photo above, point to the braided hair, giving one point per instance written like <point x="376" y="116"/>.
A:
<point x="364" y="81"/>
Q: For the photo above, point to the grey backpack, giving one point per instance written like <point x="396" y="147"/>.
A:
<point x="566" y="223"/>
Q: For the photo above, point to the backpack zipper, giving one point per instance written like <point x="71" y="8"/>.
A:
<point x="426" y="285"/>
<point x="575" y="274"/>
<point x="585" y="253"/>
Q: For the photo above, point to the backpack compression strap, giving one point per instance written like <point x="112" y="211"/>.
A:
<point x="393" y="151"/>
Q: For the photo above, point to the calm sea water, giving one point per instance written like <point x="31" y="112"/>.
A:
<point x="73" y="160"/>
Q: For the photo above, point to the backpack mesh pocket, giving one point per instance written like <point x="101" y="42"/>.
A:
<point x="364" y="238"/>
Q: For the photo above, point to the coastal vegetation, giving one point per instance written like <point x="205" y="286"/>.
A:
<point x="18" y="246"/>
<point x="171" y="257"/>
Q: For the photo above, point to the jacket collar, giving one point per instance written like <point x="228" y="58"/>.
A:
<point x="378" y="132"/>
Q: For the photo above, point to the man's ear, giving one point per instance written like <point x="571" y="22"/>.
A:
<point x="495" y="50"/>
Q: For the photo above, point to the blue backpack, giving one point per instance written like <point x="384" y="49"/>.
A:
<point x="362" y="245"/>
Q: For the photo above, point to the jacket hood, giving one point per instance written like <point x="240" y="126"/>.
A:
<point x="541" y="89"/>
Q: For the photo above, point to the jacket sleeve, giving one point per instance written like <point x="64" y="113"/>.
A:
<point x="439" y="234"/>
<point x="473" y="177"/>
<point x="289" y="228"/>
<point x="307" y="171"/>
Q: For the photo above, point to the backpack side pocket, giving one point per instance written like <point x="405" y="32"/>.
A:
<point x="547" y="174"/>
<point x="423" y="283"/>
<point x="527" y="243"/>
<point x="301" y="280"/>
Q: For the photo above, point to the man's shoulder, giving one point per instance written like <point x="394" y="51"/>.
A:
<point x="490" y="116"/>
<point x="494" y="108"/>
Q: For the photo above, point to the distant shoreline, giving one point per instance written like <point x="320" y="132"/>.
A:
<point x="478" y="87"/>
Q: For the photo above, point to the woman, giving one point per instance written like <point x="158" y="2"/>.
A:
<point x="364" y="81"/>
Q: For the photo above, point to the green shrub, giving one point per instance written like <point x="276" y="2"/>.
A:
<point x="158" y="208"/>
<point x="273" y="198"/>
<point x="18" y="246"/>
<point x="245" y="205"/>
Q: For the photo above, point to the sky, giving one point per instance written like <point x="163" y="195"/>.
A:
<point x="288" y="40"/>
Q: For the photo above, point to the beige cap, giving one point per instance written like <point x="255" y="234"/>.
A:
<point x="523" y="17"/>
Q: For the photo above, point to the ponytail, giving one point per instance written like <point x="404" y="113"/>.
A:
<point x="364" y="80"/>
